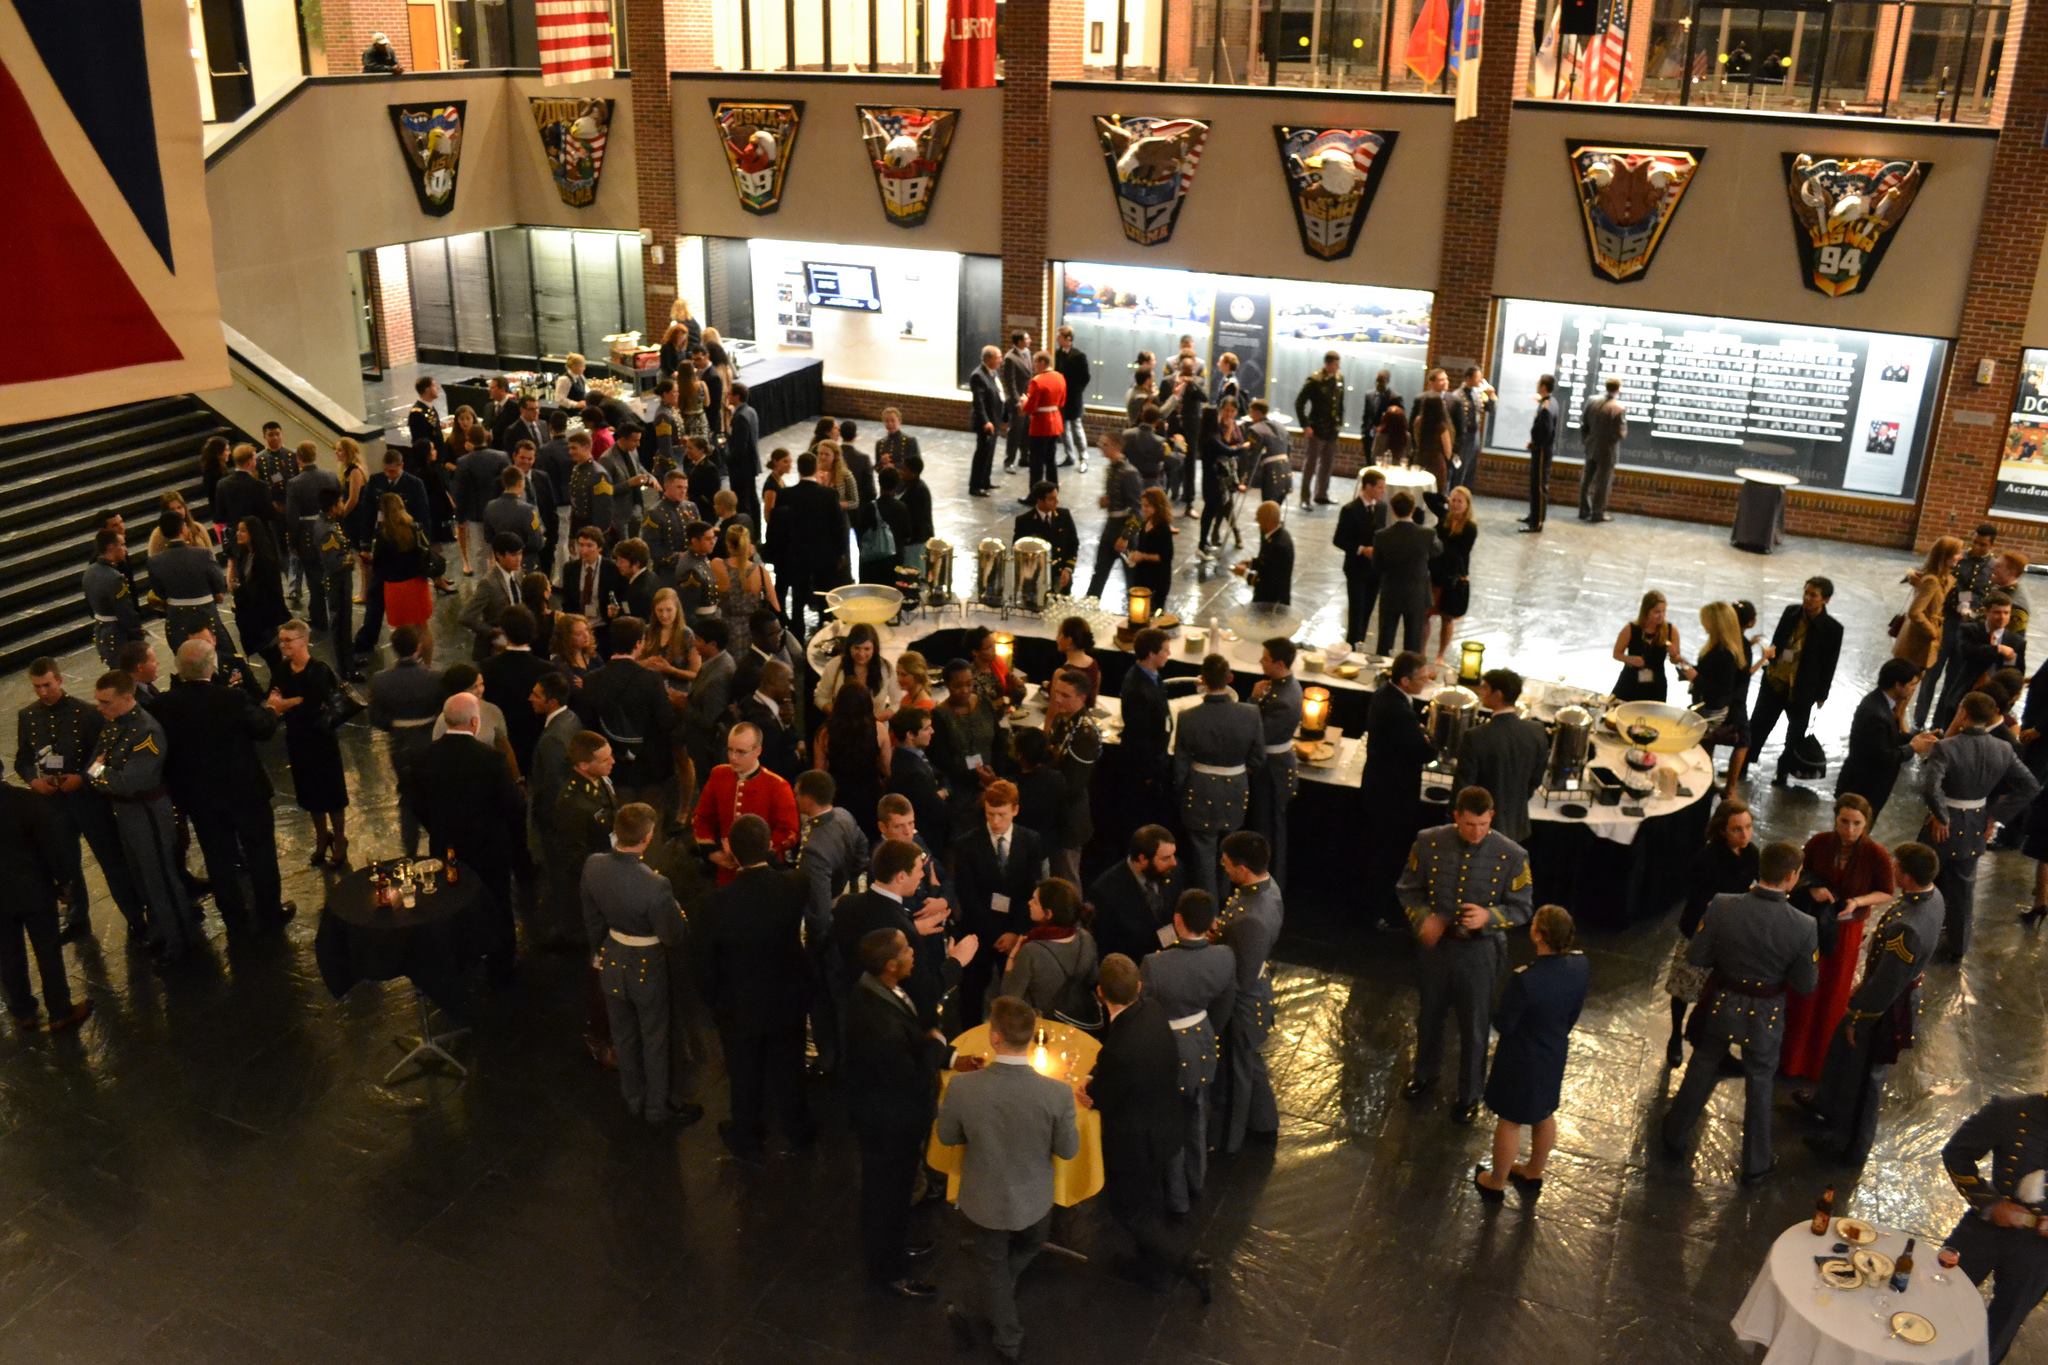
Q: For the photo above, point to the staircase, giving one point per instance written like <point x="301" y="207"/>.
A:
<point x="62" y="479"/>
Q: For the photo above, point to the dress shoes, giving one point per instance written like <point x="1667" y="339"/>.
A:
<point x="907" y="1288"/>
<point x="1416" y="1089"/>
<point x="1752" y="1177"/>
<point x="1463" y="1114"/>
<point x="1197" y="1273"/>
<point x="2033" y="917"/>
<point x="71" y="1018"/>
<point x="977" y="492"/>
<point x="966" y="1336"/>
<point x="917" y="1251"/>
<point x="74" y="930"/>
<point x="1525" y="529"/>
<point x="1487" y="1193"/>
<point x="1809" y="1106"/>
<point x="1528" y="1186"/>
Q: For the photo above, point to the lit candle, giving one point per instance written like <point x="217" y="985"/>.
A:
<point x="1041" y="1063"/>
<point x="1471" y="661"/>
<point x="1315" y="709"/>
<point x="1141" y="607"/>
<point x="1005" y="647"/>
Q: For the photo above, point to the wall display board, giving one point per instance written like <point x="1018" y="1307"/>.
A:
<point x="1332" y="175"/>
<point x="1151" y="164"/>
<point x="1844" y="211"/>
<point x="1844" y="411"/>
<point x="907" y="148"/>
<point x="1628" y="196"/>
<point x="431" y="138"/>
<point x="2022" y="488"/>
<point x="574" y="133"/>
<point x="1278" y="329"/>
<point x="760" y="141"/>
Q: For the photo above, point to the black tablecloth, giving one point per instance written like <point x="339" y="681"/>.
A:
<point x="1759" y="517"/>
<point x="784" y="390"/>
<point x="431" y="944"/>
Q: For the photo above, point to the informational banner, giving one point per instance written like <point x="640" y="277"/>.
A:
<point x="1332" y="175"/>
<point x="1244" y="328"/>
<point x="1845" y="411"/>
<point x="573" y="132"/>
<point x="1628" y="196"/>
<point x="969" y="59"/>
<point x="1844" y="212"/>
<point x="1151" y="163"/>
<point x="2022" y="488"/>
<point x="430" y="136"/>
<point x="907" y="148"/>
<point x="760" y="141"/>
<point x="109" y="246"/>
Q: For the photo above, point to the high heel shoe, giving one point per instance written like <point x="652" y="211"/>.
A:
<point x="340" y="852"/>
<point x="1674" y="1053"/>
<point x="320" y="848"/>
<point x="1486" y="1191"/>
<point x="1528" y="1186"/>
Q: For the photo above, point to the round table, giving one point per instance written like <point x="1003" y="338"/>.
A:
<point x="1789" y="1311"/>
<point x="1760" y="510"/>
<point x="431" y="944"/>
<point x="1072" y="1181"/>
<point x="1408" y="478"/>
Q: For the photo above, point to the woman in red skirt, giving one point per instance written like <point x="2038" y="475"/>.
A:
<point x="1847" y="874"/>
<point x="400" y="559"/>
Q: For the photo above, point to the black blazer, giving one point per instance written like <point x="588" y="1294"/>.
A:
<point x="1136" y="1088"/>
<point x="1146" y="723"/>
<point x="987" y="397"/>
<point x="743" y="445"/>
<point x="569" y="592"/>
<point x="751" y="964"/>
<point x="861" y="912"/>
<point x="1878" y="748"/>
<point x="817" y="525"/>
<point x="912" y="775"/>
<point x="31" y="855"/>
<point x="1061" y="535"/>
<point x="1977" y="656"/>
<point x="891" y="1068"/>
<point x="1395" y="750"/>
<point x="1357" y="524"/>
<point x="1817" y="657"/>
<point x="464" y="795"/>
<point x="210" y="738"/>
<point x="977" y="879"/>
<point x="1400" y="554"/>
<point x="1124" y="920"/>
<point x="509" y="677"/>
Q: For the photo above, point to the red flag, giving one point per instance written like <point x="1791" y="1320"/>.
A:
<point x="1430" y="41"/>
<point x="970" y="52"/>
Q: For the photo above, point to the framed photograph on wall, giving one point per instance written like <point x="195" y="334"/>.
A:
<point x="1095" y="39"/>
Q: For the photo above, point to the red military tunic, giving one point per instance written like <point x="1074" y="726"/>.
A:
<point x="727" y="796"/>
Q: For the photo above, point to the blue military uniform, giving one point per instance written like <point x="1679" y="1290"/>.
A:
<point x="1972" y="780"/>
<point x="1274" y="781"/>
<point x="1195" y="982"/>
<point x="2013" y="1132"/>
<point x="115" y="621"/>
<point x="513" y="513"/>
<point x="57" y="740"/>
<point x="1461" y="972"/>
<point x="1217" y="744"/>
<point x="128" y="766"/>
<point x="1879" y="1022"/>
<point x="590" y="497"/>
<point x="1249" y="925"/>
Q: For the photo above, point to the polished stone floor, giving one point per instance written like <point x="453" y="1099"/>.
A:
<point x="211" y="1170"/>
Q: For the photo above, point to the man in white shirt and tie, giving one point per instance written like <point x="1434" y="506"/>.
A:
<point x="493" y="593"/>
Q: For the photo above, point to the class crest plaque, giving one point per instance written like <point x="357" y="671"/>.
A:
<point x="573" y="133"/>
<point x="759" y="137"/>
<point x="1332" y="176"/>
<point x="907" y="148"/>
<point x="431" y="137"/>
<point x="1151" y="164"/>
<point x="1628" y="197"/>
<point x="1845" y="210"/>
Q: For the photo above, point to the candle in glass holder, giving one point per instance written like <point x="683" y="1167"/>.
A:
<point x="1040" y="1061"/>
<point x="1006" y="646"/>
<point x="1315" y="710"/>
<point x="1141" y="607"/>
<point x="1471" y="661"/>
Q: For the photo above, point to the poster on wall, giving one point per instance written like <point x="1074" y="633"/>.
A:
<point x="1840" y="410"/>
<point x="1244" y="328"/>
<point x="1628" y="196"/>
<point x="793" y="308"/>
<point x="431" y="137"/>
<point x="1844" y="211"/>
<point x="907" y="147"/>
<point x="1151" y="163"/>
<point x="573" y="134"/>
<point x="1332" y="175"/>
<point x="2022" y="487"/>
<point x="760" y="141"/>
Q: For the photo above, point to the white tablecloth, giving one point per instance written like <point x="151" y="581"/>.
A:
<point x="1801" y="1320"/>
<point x="1695" y="774"/>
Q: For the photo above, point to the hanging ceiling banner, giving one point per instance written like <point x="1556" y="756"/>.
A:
<point x="907" y="147"/>
<point x="969" y="58"/>
<point x="760" y="140"/>
<point x="1151" y="163"/>
<point x="1332" y="174"/>
<point x="431" y="137"/>
<point x="1844" y="210"/>
<point x="1628" y="196"/>
<point x="573" y="133"/>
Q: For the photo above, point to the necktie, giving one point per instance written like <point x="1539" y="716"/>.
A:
<point x="589" y="589"/>
<point x="1003" y="851"/>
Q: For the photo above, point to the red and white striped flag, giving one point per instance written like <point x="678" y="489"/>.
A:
<point x="1605" y="67"/>
<point x="575" y="40"/>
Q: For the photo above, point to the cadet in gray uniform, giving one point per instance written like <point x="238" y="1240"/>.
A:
<point x="1249" y="926"/>
<point x="2002" y="1236"/>
<point x="632" y="920"/>
<point x="1465" y="886"/>
<point x="1879" y="1024"/>
<point x="1195" y="982"/>
<point x="1278" y="699"/>
<point x="115" y="620"/>
<point x="1973" y="779"/>
<point x="191" y="583"/>
<point x="1216" y="744"/>
<point x="54" y="740"/>
<point x="666" y="527"/>
<point x="511" y="512"/>
<point x="128" y="765"/>
<point x="1756" y="947"/>
<point x="405" y="701"/>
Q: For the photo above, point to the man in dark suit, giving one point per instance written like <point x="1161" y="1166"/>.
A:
<point x="637" y="580"/>
<point x="1396" y="750"/>
<point x="816" y="559"/>
<point x="520" y="421"/>
<point x="743" y="453"/>
<point x="1054" y="525"/>
<point x="1136" y="1088"/>
<point x="1145" y="448"/>
<point x="1799" y="668"/>
<point x="509" y="676"/>
<point x="986" y="393"/>
<point x="1983" y="646"/>
<point x="629" y="706"/>
<point x="911" y="773"/>
<point x="1879" y="742"/>
<point x="1400" y="554"/>
<point x="1271" y="571"/>
<point x="770" y="708"/>
<point x="892" y="1093"/>
<point x="1358" y="521"/>
<point x="1147" y="725"/>
<point x="240" y="493"/>
<point x="756" y="981"/>
<point x="1133" y="900"/>
<point x="495" y="591"/>
<point x="995" y="867"/>
<point x="1542" y="448"/>
<point x="216" y="776"/>
<point x="895" y="900"/>
<point x="1505" y="755"/>
<point x="590" y="583"/>
<point x="34" y="868"/>
<point x="464" y="795"/>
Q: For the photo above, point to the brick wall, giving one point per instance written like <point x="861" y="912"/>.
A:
<point x="1971" y="433"/>
<point x="1041" y="44"/>
<point x="1472" y="197"/>
<point x="661" y="36"/>
<point x="349" y="24"/>
<point x="388" y="280"/>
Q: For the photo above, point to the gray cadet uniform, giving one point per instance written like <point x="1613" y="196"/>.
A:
<point x="510" y="512"/>
<point x="115" y="621"/>
<point x="1216" y="745"/>
<point x="57" y="741"/>
<point x="1757" y="947"/>
<point x="1195" y="982"/>
<point x="1461" y="973"/>
<point x="1879" y="1024"/>
<point x="405" y="701"/>
<point x="191" y="583"/>
<point x="1275" y="780"/>
<point x="128" y="765"/>
<point x="631" y="910"/>
<point x="1972" y="780"/>
<point x="1249" y="925"/>
<point x="666" y="529"/>
<point x="2013" y="1131"/>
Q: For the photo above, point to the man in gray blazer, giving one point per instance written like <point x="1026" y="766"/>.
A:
<point x="704" y="711"/>
<point x="497" y="587"/>
<point x="1603" y="426"/>
<point x="1014" y="1123"/>
<point x="1506" y="755"/>
<point x="1400" y="554"/>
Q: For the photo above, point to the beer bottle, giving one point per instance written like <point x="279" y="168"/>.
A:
<point x="1902" y="1269"/>
<point x="1824" y="1211"/>
<point x="448" y="865"/>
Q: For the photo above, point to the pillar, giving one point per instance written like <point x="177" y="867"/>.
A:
<point x="1041" y="44"/>
<point x="661" y="36"/>
<point x="387" y="279"/>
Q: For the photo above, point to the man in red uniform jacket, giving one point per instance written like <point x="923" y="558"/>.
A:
<point x="1044" y="401"/>
<point x="741" y="786"/>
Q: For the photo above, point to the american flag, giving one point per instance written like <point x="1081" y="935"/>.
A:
<point x="575" y="40"/>
<point x="1605" y="68"/>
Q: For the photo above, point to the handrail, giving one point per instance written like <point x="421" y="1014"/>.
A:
<point x="262" y="388"/>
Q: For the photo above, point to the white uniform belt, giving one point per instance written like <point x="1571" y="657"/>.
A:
<point x="105" y="620"/>
<point x="1188" y="1020"/>
<point x="1045" y="409"/>
<point x="1284" y="747"/>
<point x="1217" y="769"/>
<point x="206" y="601"/>
<point x="635" y="940"/>
<point x="1958" y="803"/>
<point x="413" y="722"/>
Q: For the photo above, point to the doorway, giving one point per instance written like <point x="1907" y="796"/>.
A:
<point x="423" y="26"/>
<point x="366" y="321"/>
<point x="227" y="58"/>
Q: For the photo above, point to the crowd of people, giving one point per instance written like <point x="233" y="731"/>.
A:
<point x="634" y="756"/>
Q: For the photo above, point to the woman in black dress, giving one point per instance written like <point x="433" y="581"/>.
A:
<point x="853" y="747"/>
<point x="537" y="594"/>
<point x="1725" y="864"/>
<point x="1641" y="649"/>
<point x="256" y="577"/>
<point x="1450" y="566"/>
<point x="1718" y="680"/>
<point x="1219" y="449"/>
<point x="1148" y="562"/>
<point x="1534" y="1020"/>
<point x="300" y="694"/>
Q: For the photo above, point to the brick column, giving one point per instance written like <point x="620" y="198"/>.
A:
<point x="661" y="36"/>
<point x="1041" y="44"/>
<point x="1963" y="456"/>
<point x="387" y="279"/>
<point x="348" y="24"/>
<point x="1472" y="195"/>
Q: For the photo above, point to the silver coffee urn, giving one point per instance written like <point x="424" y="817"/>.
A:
<point x="1032" y="585"/>
<point x="1571" y="749"/>
<point x="995" y="574"/>
<point x="935" y="582"/>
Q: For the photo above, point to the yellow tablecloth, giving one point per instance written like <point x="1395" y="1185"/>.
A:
<point x="1072" y="1181"/>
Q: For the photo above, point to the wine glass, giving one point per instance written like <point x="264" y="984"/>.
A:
<point x="1881" y="1305"/>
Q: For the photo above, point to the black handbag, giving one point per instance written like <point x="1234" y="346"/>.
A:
<point x="338" y="708"/>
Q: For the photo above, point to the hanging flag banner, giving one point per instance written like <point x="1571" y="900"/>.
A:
<point x="969" y="60"/>
<point x="573" y="133"/>
<point x="1627" y="198"/>
<point x="1429" y="41"/>
<point x="575" y="40"/>
<point x="1151" y="164"/>
<point x="1332" y="175"/>
<point x="1843" y="212"/>
<point x="431" y="136"/>
<point x="111" y="246"/>
<point x="1463" y="46"/>
<point x="907" y="148"/>
<point x="760" y="139"/>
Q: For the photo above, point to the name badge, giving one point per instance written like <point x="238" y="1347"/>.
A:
<point x="99" y="765"/>
<point x="53" y="761"/>
<point x="1644" y="675"/>
<point x="999" y="903"/>
<point x="1167" y="937"/>
<point x="974" y="761"/>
